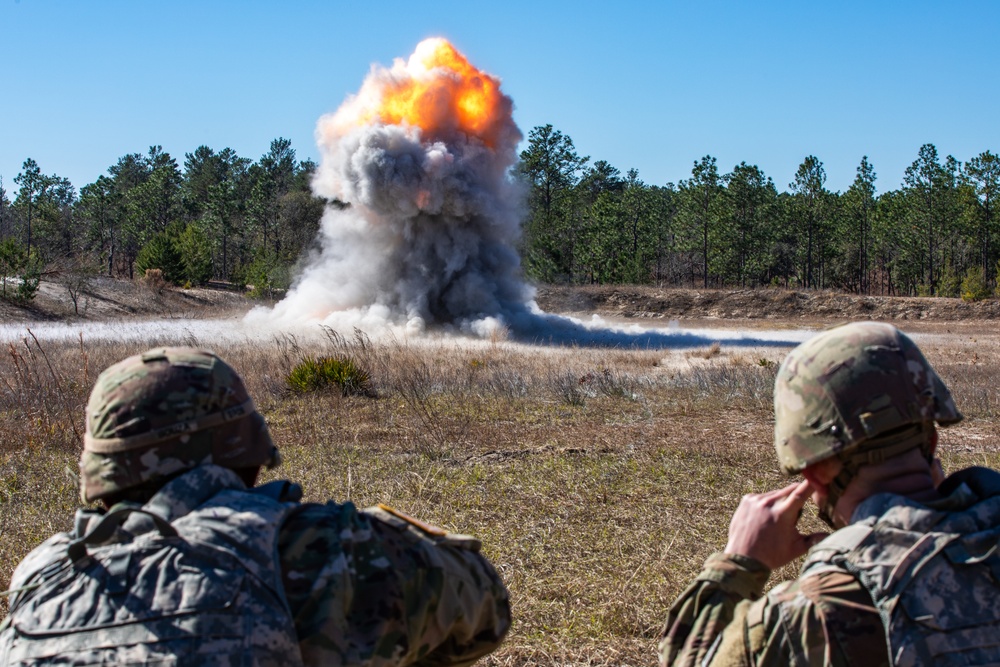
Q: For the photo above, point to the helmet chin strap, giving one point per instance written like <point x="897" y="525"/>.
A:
<point x="872" y="452"/>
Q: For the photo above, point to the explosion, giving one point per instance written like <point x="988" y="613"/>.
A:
<point x="421" y="155"/>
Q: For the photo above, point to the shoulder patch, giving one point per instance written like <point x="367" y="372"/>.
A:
<point x="413" y="521"/>
<point x="434" y="533"/>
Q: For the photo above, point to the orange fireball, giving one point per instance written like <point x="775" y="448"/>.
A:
<point x="439" y="91"/>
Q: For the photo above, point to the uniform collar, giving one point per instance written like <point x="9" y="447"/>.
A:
<point x="183" y="494"/>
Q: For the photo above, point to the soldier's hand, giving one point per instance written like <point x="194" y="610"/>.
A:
<point x="763" y="526"/>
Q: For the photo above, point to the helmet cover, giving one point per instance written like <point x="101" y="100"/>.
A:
<point x="153" y="415"/>
<point x="848" y="385"/>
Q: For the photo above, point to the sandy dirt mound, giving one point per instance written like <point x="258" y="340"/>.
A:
<point x="108" y="298"/>
<point x="681" y="304"/>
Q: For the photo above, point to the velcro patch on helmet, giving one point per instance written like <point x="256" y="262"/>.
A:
<point x="880" y="421"/>
<point x="155" y="355"/>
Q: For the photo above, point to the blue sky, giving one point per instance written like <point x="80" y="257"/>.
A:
<point x="649" y="85"/>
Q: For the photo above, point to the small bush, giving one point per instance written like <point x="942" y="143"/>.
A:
<point x="154" y="280"/>
<point x="30" y="279"/>
<point x="711" y="351"/>
<point x="950" y="283"/>
<point x="266" y="277"/>
<point x="195" y="252"/>
<point x="13" y="259"/>
<point x="572" y="388"/>
<point x="997" y="279"/>
<point x="321" y="373"/>
<point x="611" y="383"/>
<point x="161" y="253"/>
<point x="974" y="287"/>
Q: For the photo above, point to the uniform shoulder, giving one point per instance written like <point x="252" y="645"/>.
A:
<point x="316" y="533"/>
<point x="828" y="603"/>
<point x="821" y="587"/>
<point x="401" y="585"/>
<point x="50" y="552"/>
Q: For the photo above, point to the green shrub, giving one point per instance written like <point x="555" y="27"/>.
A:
<point x="12" y="262"/>
<point x="18" y="267"/>
<point x="161" y="253"/>
<point x="974" y="287"/>
<point x="31" y="277"/>
<point x="949" y="283"/>
<point x="266" y="276"/>
<point x="321" y="373"/>
<point x="196" y="254"/>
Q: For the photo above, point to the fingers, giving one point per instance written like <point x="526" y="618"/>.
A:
<point x="794" y="495"/>
<point x="764" y="526"/>
<point x="799" y="494"/>
<point x="778" y="493"/>
<point x="773" y="497"/>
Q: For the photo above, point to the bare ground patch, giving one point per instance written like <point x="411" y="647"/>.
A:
<point x="762" y="307"/>
<point x="108" y="298"/>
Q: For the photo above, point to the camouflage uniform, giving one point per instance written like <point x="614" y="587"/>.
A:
<point x="191" y="573"/>
<point x="825" y="617"/>
<point x="362" y="587"/>
<point x="373" y="587"/>
<point x="863" y="393"/>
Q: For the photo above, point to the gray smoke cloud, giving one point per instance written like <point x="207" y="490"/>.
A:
<point x="429" y="237"/>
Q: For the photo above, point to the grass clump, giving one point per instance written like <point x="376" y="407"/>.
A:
<point x="323" y="373"/>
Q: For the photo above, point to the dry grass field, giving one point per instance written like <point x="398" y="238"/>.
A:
<point x="599" y="480"/>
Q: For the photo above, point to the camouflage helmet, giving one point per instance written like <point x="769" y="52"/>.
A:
<point x="165" y="411"/>
<point x="848" y="385"/>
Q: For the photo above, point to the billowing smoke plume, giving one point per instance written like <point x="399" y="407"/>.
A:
<point x="422" y="156"/>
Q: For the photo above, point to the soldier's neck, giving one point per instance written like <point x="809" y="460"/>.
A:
<point x="908" y="475"/>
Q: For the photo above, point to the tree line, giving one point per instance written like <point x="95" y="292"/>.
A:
<point x="934" y="235"/>
<point x="225" y="217"/>
<point x="220" y="216"/>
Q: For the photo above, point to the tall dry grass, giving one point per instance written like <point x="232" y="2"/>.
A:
<point x="598" y="480"/>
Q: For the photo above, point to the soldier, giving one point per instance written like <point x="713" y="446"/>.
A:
<point x="188" y="562"/>
<point x="910" y="575"/>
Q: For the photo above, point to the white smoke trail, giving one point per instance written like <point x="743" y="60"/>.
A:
<point x="555" y="329"/>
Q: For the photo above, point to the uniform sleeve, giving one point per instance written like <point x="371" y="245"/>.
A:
<point x="368" y="587"/>
<point x="826" y="619"/>
<point x="697" y="618"/>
